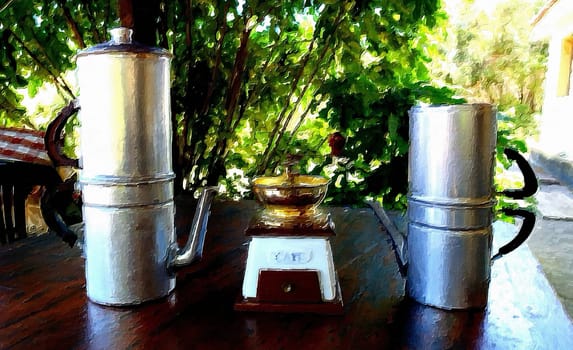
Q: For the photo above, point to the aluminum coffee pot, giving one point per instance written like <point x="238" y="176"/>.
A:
<point x="126" y="174"/>
<point x="451" y="201"/>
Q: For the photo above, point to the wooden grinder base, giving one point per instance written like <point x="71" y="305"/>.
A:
<point x="291" y="291"/>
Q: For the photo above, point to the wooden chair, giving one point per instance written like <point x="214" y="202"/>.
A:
<point x="17" y="178"/>
<point x="29" y="158"/>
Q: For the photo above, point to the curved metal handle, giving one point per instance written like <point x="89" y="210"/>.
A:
<point x="530" y="180"/>
<point x="54" y="136"/>
<point x="53" y="218"/>
<point x="522" y="235"/>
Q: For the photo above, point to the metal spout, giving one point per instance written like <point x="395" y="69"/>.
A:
<point x="398" y="239"/>
<point x="193" y="249"/>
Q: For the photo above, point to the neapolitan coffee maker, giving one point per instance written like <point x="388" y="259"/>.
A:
<point x="451" y="201"/>
<point x="126" y="174"/>
<point x="289" y="266"/>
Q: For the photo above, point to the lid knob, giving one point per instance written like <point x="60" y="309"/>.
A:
<point x="121" y="35"/>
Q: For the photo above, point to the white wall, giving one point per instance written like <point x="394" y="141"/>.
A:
<point x="556" y="122"/>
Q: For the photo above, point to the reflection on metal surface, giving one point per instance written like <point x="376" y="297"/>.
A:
<point x="431" y="328"/>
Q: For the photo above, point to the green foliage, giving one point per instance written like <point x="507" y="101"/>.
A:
<point x="254" y="81"/>
<point x="486" y="54"/>
<point x="310" y="69"/>
<point x="375" y="162"/>
<point x="39" y="40"/>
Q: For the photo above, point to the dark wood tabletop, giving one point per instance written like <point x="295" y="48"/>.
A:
<point x="43" y="303"/>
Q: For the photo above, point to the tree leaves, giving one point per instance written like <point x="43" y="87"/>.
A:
<point x="494" y="60"/>
<point x="255" y="80"/>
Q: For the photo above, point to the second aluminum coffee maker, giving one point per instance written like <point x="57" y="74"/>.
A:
<point x="451" y="201"/>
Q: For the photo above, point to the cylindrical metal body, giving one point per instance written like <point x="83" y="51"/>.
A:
<point x="126" y="177"/>
<point x="450" y="204"/>
<point x="449" y="269"/>
<point x="452" y="153"/>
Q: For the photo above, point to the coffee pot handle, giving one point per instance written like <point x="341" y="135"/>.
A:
<point x="529" y="188"/>
<point x="54" y="139"/>
<point x="524" y="232"/>
<point x="529" y="179"/>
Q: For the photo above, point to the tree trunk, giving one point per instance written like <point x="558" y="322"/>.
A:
<point x="141" y="16"/>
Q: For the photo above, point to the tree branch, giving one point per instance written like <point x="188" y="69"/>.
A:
<point x="106" y="11"/>
<point x="233" y="92"/>
<point x="184" y="138"/>
<point x="282" y="122"/>
<point x="60" y="84"/>
<point x="214" y="73"/>
<point x="273" y="138"/>
<point x="125" y="13"/>
<point x="235" y="83"/>
<point x="93" y="24"/>
<point x="308" y="84"/>
<point x="305" y="113"/>
<point x="299" y="99"/>
<point x="5" y="6"/>
<point x="193" y="145"/>
<point x="255" y="91"/>
<point x="72" y="25"/>
<point x="162" y="26"/>
<point x="189" y="21"/>
<point x="303" y="116"/>
<point x="59" y="78"/>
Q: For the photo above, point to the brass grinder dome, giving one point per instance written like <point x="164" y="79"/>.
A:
<point x="290" y="194"/>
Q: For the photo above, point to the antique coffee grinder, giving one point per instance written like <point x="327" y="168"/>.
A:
<point x="289" y="265"/>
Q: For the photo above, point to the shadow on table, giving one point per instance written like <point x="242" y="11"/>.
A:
<point x="424" y="327"/>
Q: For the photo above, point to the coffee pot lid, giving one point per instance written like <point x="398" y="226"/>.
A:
<point x="122" y="42"/>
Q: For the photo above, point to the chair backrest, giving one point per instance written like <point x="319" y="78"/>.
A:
<point x="23" y="145"/>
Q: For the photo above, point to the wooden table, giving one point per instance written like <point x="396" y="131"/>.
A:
<point x="43" y="304"/>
